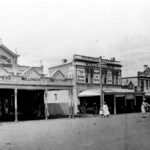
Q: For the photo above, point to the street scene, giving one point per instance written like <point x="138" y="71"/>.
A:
<point x="75" y="75"/>
<point x="120" y="132"/>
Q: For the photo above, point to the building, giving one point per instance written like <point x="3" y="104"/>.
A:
<point x="24" y="90"/>
<point x="86" y="75"/>
<point x="141" y="82"/>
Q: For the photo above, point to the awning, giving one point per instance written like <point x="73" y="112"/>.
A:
<point x="96" y="92"/>
<point x="89" y="93"/>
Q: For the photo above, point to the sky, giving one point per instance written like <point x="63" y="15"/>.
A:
<point x="51" y="30"/>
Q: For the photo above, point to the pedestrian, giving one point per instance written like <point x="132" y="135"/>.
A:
<point x="144" y="107"/>
<point x="106" y="112"/>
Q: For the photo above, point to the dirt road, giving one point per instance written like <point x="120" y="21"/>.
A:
<point x="121" y="132"/>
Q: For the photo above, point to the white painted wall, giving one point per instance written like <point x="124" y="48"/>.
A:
<point x="58" y="96"/>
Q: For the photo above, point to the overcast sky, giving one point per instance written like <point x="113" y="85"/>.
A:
<point x="50" y="30"/>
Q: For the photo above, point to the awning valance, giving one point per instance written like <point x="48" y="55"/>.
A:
<point x="96" y="92"/>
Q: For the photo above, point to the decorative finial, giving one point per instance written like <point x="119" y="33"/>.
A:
<point x="16" y="51"/>
<point x="41" y="62"/>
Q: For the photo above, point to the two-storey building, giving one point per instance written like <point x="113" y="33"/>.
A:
<point x="140" y="82"/>
<point x="86" y="75"/>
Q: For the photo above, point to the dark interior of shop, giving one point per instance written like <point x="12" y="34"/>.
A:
<point x="7" y="105"/>
<point x="31" y="104"/>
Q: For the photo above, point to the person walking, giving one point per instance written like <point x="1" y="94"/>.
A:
<point x="106" y="112"/>
<point x="144" y="107"/>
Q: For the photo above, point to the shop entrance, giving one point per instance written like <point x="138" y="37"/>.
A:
<point x="92" y="104"/>
<point x="109" y="99"/>
<point x="7" y="105"/>
<point x="139" y="100"/>
<point x="130" y="105"/>
<point x="120" y="105"/>
<point x="30" y="104"/>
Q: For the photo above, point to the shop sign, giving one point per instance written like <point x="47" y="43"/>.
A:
<point x="86" y="64"/>
<point x="80" y="75"/>
<point x="6" y="59"/>
<point x="85" y="58"/>
<point x="109" y="77"/>
<point x="96" y="78"/>
<point x="31" y="79"/>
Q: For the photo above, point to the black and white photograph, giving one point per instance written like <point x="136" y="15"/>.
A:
<point x="74" y="74"/>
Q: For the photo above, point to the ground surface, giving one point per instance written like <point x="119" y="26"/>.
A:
<point x="121" y="132"/>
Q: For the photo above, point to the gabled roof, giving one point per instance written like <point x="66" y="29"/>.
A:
<point x="4" y="70"/>
<point x="30" y="68"/>
<point x="8" y="50"/>
<point x="57" y="72"/>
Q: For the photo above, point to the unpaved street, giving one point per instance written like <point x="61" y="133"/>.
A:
<point x="121" y="132"/>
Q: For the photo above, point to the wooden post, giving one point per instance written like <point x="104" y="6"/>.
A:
<point x="114" y="105"/>
<point x="16" y="112"/>
<point x="46" y="107"/>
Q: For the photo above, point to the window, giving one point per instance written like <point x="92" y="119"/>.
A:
<point x="146" y="84"/>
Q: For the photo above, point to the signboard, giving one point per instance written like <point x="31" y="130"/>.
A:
<point x="96" y="78"/>
<point x="109" y="77"/>
<point x="30" y="79"/>
<point x="5" y="61"/>
<point x="85" y="58"/>
<point x="81" y="75"/>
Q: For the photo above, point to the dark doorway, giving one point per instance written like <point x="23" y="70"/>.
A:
<point x="139" y="100"/>
<point x="109" y="99"/>
<point x="120" y="105"/>
<point x="92" y="104"/>
<point x="7" y="105"/>
<point x="129" y="105"/>
<point x="30" y="104"/>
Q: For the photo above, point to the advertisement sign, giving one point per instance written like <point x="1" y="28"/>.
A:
<point x="96" y="78"/>
<point x="109" y="77"/>
<point x="81" y="75"/>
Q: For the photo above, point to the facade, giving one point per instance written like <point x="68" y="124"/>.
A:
<point x="141" y="82"/>
<point x="24" y="90"/>
<point x="86" y="75"/>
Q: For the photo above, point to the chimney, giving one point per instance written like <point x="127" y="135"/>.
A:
<point x="145" y="67"/>
<point x="113" y="58"/>
<point x="64" y="61"/>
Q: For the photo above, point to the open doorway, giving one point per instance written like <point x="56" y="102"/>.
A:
<point x="92" y="104"/>
<point x="30" y="104"/>
<point x="7" y="105"/>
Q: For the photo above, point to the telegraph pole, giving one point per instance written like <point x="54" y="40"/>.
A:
<point x="101" y="84"/>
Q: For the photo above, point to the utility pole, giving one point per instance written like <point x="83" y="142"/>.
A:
<point x="101" y="84"/>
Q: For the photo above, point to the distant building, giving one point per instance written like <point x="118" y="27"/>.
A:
<point x="141" y="82"/>
<point x="85" y="72"/>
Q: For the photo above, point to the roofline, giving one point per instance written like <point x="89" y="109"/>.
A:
<point x="60" y="65"/>
<point x="9" y="51"/>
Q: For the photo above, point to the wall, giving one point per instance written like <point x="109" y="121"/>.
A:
<point x="58" y="102"/>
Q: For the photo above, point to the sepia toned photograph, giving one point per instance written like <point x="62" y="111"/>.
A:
<point x="74" y="75"/>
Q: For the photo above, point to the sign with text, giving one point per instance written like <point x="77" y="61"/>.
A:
<point x="109" y="77"/>
<point x="96" y="78"/>
<point x="81" y="75"/>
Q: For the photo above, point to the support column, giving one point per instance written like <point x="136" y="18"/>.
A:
<point x="114" y="105"/>
<point x="16" y="112"/>
<point x="45" y="103"/>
